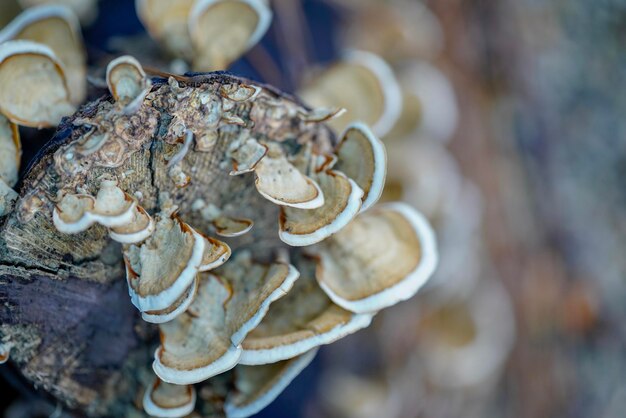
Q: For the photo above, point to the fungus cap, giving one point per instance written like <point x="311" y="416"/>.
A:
<point x="223" y="30"/>
<point x="362" y="83"/>
<point x="138" y="229"/>
<point x="363" y="158"/>
<point x="71" y="214"/>
<point x="215" y="254"/>
<point x="299" y="227"/>
<point x="167" y="22"/>
<point x="85" y="10"/>
<point x="226" y="226"/>
<point x="430" y="104"/>
<point x="283" y="184"/>
<point x="467" y="339"/>
<point x="10" y="151"/>
<point x="247" y="156"/>
<point x="56" y="27"/>
<point x="304" y="319"/>
<point x="322" y="114"/>
<point x="383" y="257"/>
<point x="113" y="207"/>
<point x="254" y="287"/>
<point x="176" y="309"/>
<point x="165" y="400"/>
<point x="127" y="82"/>
<point x="162" y="268"/>
<point x="33" y="87"/>
<point x="206" y="340"/>
<point x="196" y="345"/>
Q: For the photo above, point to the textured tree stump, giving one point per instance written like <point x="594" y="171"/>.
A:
<point x="65" y="305"/>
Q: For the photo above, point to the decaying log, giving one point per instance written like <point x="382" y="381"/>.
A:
<point x="65" y="309"/>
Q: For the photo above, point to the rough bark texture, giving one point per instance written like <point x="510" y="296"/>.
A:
<point x="65" y="305"/>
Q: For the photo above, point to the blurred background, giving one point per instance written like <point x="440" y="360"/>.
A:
<point x="512" y="143"/>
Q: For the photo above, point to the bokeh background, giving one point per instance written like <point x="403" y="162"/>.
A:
<point x="521" y="176"/>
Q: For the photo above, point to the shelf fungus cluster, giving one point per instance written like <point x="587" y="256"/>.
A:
<point x="209" y="33"/>
<point x="42" y="66"/>
<point x="364" y="84"/>
<point x="231" y="217"/>
<point x="42" y="78"/>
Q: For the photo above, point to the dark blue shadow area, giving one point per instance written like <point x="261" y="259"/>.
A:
<point x="292" y="402"/>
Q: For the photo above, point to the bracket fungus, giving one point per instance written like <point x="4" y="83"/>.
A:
<point x="127" y="82"/>
<point x="362" y="157"/>
<point x="10" y="157"/>
<point x="211" y="33"/>
<point x="349" y="183"/>
<point x="33" y="84"/>
<point x="301" y="321"/>
<point x="206" y="340"/>
<point x="99" y="217"/>
<point x="299" y="227"/>
<point x="166" y="22"/>
<point x="162" y="269"/>
<point x="223" y="30"/>
<point x="169" y="401"/>
<point x="111" y="207"/>
<point x="362" y="276"/>
<point x="362" y="83"/>
<point x="257" y="386"/>
<point x="56" y="27"/>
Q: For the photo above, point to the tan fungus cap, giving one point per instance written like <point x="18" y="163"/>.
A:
<point x="223" y="30"/>
<point x="33" y="86"/>
<point x="383" y="257"/>
<point x="57" y="27"/>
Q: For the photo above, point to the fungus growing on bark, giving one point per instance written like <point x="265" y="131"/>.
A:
<point x="280" y="182"/>
<point x="303" y="320"/>
<point x="169" y="401"/>
<point x="246" y="156"/>
<point x="206" y="340"/>
<point x="361" y="275"/>
<point x="10" y="157"/>
<point x="127" y="82"/>
<point x="258" y="386"/>
<point x="363" y="84"/>
<point x="111" y="208"/>
<point x="112" y="168"/>
<point x="211" y="33"/>
<point x="342" y="201"/>
<point x="362" y="157"/>
<point x="56" y="27"/>
<point x="33" y="85"/>
<point x="166" y="22"/>
<point x="138" y="229"/>
<point x="161" y="270"/>
<point x="223" y="30"/>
